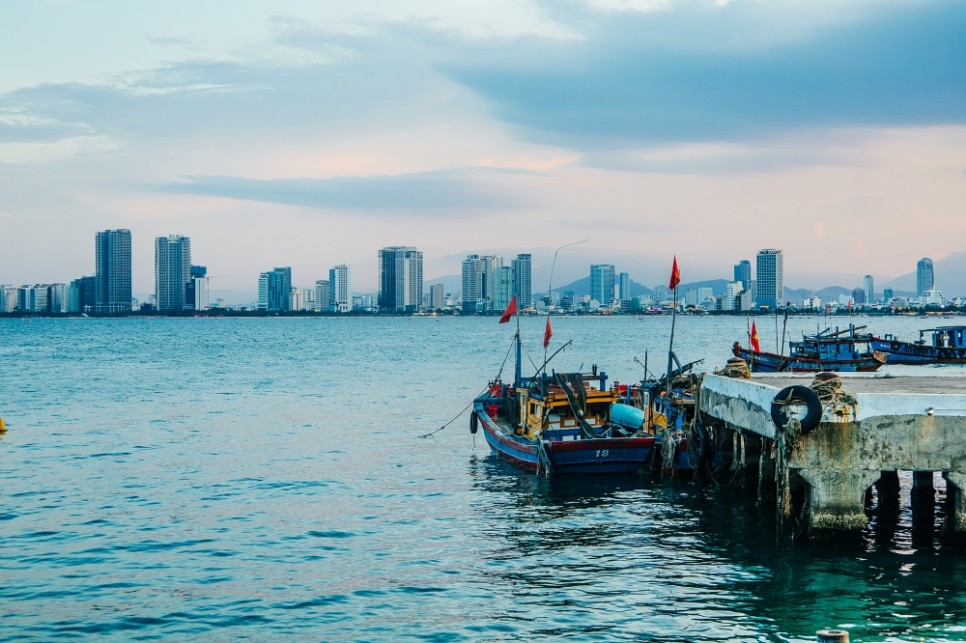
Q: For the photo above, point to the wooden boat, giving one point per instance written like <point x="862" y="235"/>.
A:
<point x="563" y="423"/>
<point x="838" y="350"/>
<point x="945" y="345"/>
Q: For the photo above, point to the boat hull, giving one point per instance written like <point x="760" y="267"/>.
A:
<point x="606" y="455"/>
<point x="761" y="362"/>
<point x="900" y="352"/>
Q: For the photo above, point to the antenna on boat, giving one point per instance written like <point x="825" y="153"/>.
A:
<point x="550" y="290"/>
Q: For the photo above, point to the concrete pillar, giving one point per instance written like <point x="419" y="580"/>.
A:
<point x="957" y="488"/>
<point x="766" y="474"/>
<point x="887" y="489"/>
<point x="837" y="498"/>
<point x="923" y="503"/>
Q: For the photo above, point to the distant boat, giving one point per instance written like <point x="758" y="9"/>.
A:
<point x="946" y="345"/>
<point x="839" y="350"/>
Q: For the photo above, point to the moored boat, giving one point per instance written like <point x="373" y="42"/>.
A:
<point x="839" y="350"/>
<point x="945" y="345"/>
<point x="563" y="423"/>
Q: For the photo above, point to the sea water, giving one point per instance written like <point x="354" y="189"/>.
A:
<point x="271" y="480"/>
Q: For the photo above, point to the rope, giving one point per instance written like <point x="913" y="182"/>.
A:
<point x="457" y="416"/>
<point x="736" y="368"/>
<point x="830" y="391"/>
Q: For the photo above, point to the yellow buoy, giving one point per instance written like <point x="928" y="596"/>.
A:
<point x="3" y="427"/>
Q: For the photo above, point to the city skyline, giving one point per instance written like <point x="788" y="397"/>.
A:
<point x="401" y="278"/>
<point x="309" y="134"/>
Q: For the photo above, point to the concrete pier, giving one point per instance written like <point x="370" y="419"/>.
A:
<point x="871" y="428"/>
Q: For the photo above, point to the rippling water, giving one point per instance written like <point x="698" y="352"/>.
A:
<point x="265" y="479"/>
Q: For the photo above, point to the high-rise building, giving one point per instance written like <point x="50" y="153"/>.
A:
<point x="770" y="278"/>
<point x="80" y="295"/>
<point x="340" y="297"/>
<point x="925" y="280"/>
<point x="112" y="262"/>
<point x="321" y="295"/>
<point x="473" y="279"/>
<point x="522" y="282"/>
<point x="479" y="283"/>
<point x="503" y="288"/>
<point x="196" y="294"/>
<point x="743" y="274"/>
<point x="437" y="298"/>
<point x="869" y="287"/>
<point x="602" y="283"/>
<point x="172" y="272"/>
<point x="400" y="279"/>
<point x="624" y="290"/>
<point x="275" y="290"/>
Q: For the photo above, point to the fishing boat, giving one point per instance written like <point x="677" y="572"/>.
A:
<point x="944" y="345"/>
<point x="563" y="423"/>
<point x="829" y="350"/>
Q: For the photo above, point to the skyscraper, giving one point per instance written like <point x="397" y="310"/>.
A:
<point x="869" y="287"/>
<point x="479" y="275"/>
<point x="400" y="279"/>
<point x="602" y="283"/>
<point x="522" y="284"/>
<point x="925" y="280"/>
<point x="743" y="273"/>
<point x="275" y="290"/>
<point x="321" y="295"/>
<point x="340" y="297"/>
<point x="172" y="272"/>
<point x="112" y="277"/>
<point x="770" y="278"/>
<point x="624" y="288"/>
<point x="502" y="288"/>
<point x="472" y="282"/>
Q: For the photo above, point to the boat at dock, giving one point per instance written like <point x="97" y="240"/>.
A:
<point x="940" y="345"/>
<point x="844" y="350"/>
<point x="563" y="423"/>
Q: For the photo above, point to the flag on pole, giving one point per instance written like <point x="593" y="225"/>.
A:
<point x="754" y="338"/>
<point x="547" y="334"/>
<point x="510" y="311"/>
<point x="675" y="275"/>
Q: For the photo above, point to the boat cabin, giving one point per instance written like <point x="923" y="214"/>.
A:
<point x="564" y="409"/>
<point x="946" y="336"/>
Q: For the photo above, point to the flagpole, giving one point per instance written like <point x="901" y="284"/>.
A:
<point x="675" y="280"/>
<point x="670" y="349"/>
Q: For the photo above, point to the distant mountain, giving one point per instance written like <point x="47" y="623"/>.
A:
<point x="949" y="272"/>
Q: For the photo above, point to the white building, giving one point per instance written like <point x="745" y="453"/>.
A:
<point x="340" y="298"/>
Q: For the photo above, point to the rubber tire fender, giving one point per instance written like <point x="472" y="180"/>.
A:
<point x="801" y="394"/>
<point x="474" y="422"/>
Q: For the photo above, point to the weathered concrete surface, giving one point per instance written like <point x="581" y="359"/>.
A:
<point x="885" y="423"/>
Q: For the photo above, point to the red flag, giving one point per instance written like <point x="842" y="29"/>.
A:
<point x="754" y="338"/>
<point x="547" y="334"/>
<point x="510" y="311"/>
<point x="675" y="274"/>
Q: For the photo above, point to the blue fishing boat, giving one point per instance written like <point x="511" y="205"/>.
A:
<point x="839" y="350"/>
<point x="563" y="423"/>
<point x="945" y="345"/>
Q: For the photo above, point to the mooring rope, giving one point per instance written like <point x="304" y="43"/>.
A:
<point x="473" y="399"/>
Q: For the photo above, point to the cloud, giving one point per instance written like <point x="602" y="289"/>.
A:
<point x="693" y="72"/>
<point x="430" y="194"/>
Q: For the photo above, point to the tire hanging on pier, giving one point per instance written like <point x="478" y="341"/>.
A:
<point x="797" y="394"/>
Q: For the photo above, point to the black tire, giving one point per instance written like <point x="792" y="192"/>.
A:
<point x="474" y="422"/>
<point x="801" y="394"/>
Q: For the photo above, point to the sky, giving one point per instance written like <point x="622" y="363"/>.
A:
<point x="310" y="134"/>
